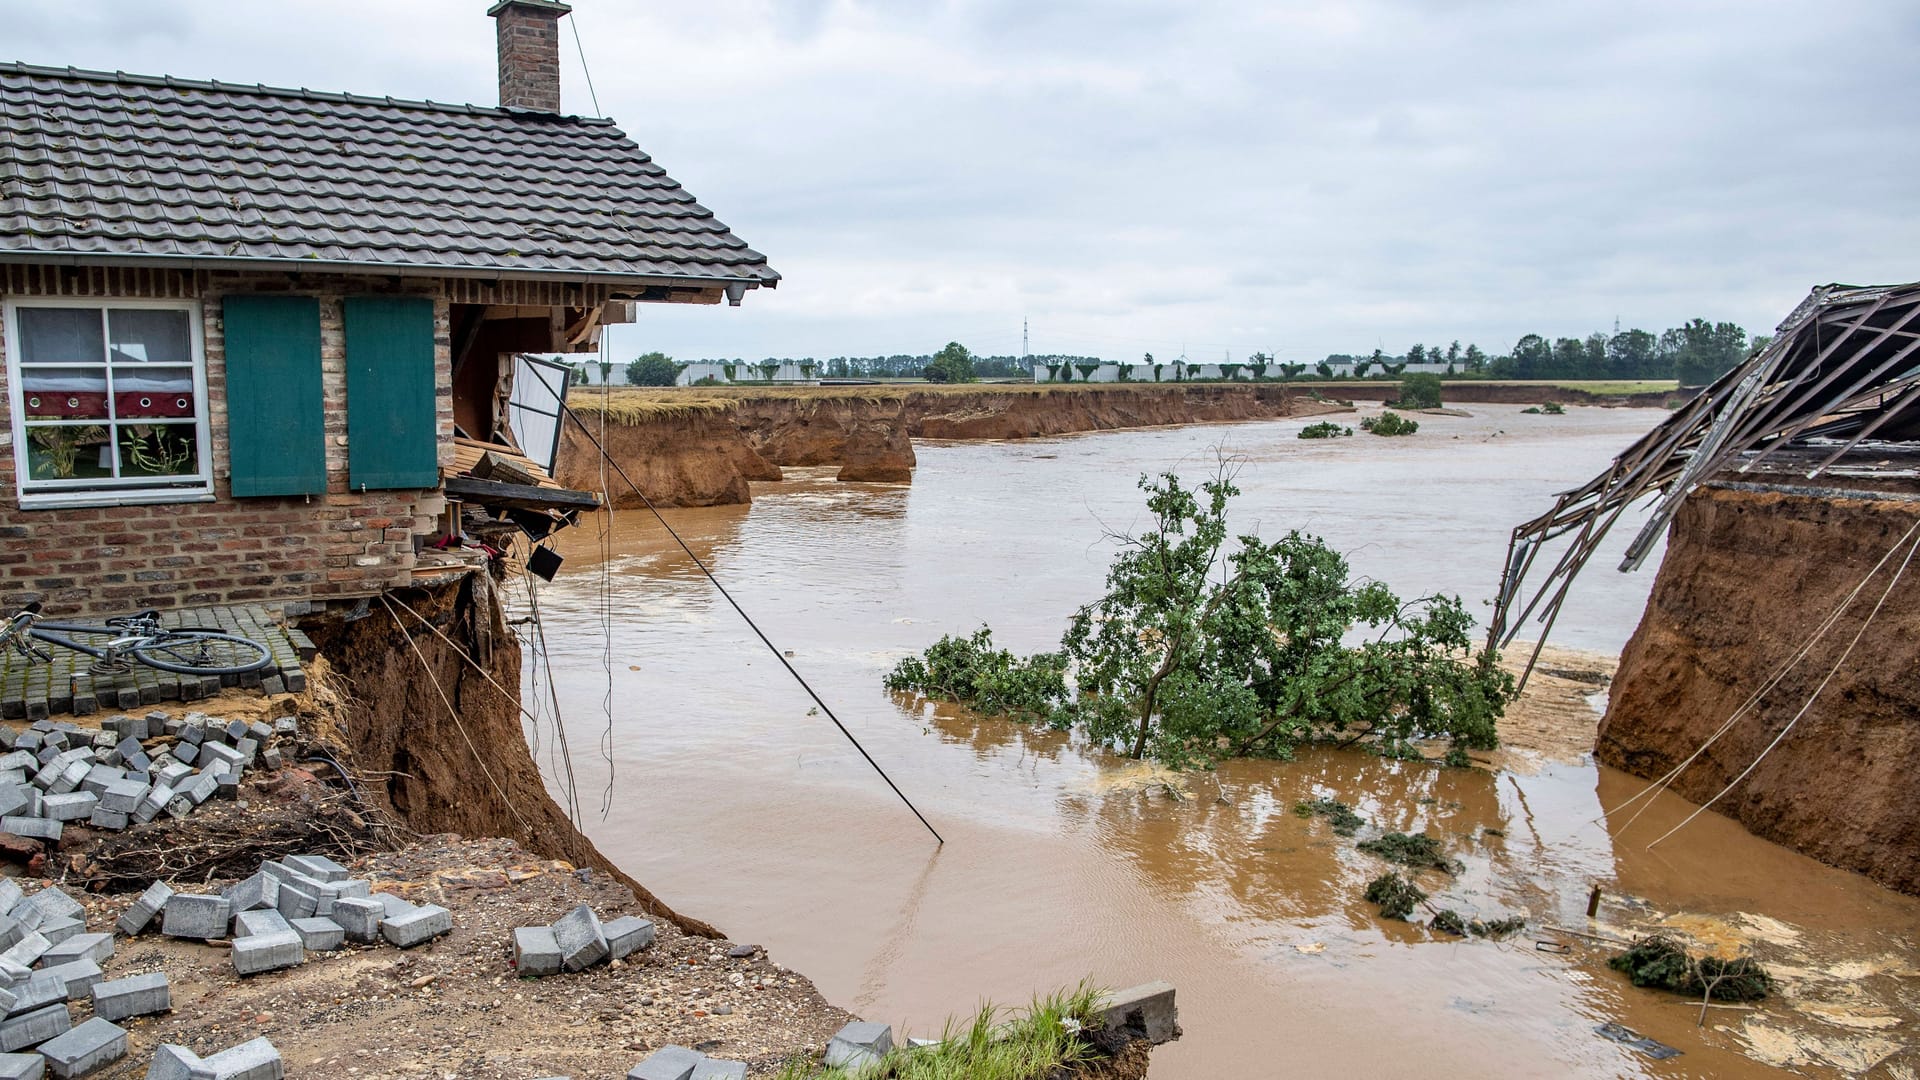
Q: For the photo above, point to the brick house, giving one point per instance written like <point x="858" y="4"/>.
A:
<point x="254" y="338"/>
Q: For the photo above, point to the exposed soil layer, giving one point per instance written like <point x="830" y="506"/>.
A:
<point x="701" y="448"/>
<point x="1748" y="577"/>
<point x="444" y="741"/>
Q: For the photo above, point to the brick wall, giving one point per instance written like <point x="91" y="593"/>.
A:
<point x="528" y="37"/>
<point x="115" y="558"/>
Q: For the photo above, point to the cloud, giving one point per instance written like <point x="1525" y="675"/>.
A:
<point x="1133" y="175"/>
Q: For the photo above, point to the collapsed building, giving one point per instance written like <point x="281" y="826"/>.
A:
<point x="1773" y="673"/>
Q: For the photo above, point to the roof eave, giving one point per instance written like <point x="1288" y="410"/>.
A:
<point x="766" y="277"/>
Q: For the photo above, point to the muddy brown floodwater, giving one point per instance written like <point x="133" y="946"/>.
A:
<point x="733" y="802"/>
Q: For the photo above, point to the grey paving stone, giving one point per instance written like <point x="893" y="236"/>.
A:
<point x="204" y="785"/>
<point x="359" y="918"/>
<point x="87" y="1048"/>
<point x="627" y="935"/>
<point x="261" y="892"/>
<point x="73" y="806"/>
<point x="317" y="867"/>
<point x="140" y="914"/>
<point x="535" y="951"/>
<point x="123" y="795"/>
<point x="582" y="943"/>
<point x="95" y="947"/>
<point x="38" y="992"/>
<point x="715" y="1069"/>
<point x="422" y="924"/>
<point x="172" y="1062"/>
<point x="12" y="972"/>
<point x="667" y="1063"/>
<point x="34" y="1028"/>
<point x="255" y="1060"/>
<point x="22" y="1067"/>
<point x="54" y="901"/>
<point x="223" y="755"/>
<point x="154" y="801"/>
<point x="13" y="799"/>
<point x="27" y="950"/>
<point x="78" y="976"/>
<point x="136" y="995"/>
<point x="394" y="905"/>
<point x="58" y="928"/>
<point x="249" y="923"/>
<point x="320" y="935"/>
<point x="31" y="827"/>
<point x="10" y="896"/>
<point x="295" y="902"/>
<point x="859" y="1045"/>
<point x="10" y="932"/>
<point x="256" y="953"/>
<point x="190" y="915"/>
<point x="110" y="820"/>
<point x="71" y="777"/>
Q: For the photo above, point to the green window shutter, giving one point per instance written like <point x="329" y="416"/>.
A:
<point x="277" y="442"/>
<point x="392" y="438"/>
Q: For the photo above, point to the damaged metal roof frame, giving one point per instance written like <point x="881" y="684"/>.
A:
<point x="1842" y="374"/>
<point x="98" y="166"/>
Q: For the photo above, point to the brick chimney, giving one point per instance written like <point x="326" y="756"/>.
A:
<point x="529" y="35"/>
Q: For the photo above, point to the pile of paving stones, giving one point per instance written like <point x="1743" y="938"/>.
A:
<point x="577" y="941"/>
<point x="292" y="905"/>
<point x="129" y="772"/>
<point x="49" y="961"/>
<point x="858" y="1047"/>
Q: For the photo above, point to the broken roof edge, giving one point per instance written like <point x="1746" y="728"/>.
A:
<point x="124" y="78"/>
<point x="768" y="278"/>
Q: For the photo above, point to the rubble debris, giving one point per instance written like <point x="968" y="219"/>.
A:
<point x="579" y="940"/>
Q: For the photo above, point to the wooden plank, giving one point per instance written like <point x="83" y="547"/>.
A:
<point x="519" y="496"/>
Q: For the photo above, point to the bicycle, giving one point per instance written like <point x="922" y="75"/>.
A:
<point x="182" y="650"/>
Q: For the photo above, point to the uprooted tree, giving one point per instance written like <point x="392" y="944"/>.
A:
<point x="1199" y="652"/>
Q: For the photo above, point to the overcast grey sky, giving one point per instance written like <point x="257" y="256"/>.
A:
<point x="1136" y="175"/>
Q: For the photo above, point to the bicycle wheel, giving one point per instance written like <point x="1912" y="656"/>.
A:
<point x="202" y="652"/>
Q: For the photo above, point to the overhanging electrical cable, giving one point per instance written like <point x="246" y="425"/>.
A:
<point x="748" y="619"/>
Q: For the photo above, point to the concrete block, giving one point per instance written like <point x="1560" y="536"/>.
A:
<point x="13" y="799"/>
<point x="394" y="905"/>
<point x="78" y="976"/>
<point x="271" y="757"/>
<point x="22" y="1067"/>
<point x="111" y="820"/>
<point x="256" y="1060"/>
<point x="34" y="1028"/>
<point x="229" y="785"/>
<point x="58" y="928"/>
<point x="236" y="730"/>
<point x="1146" y="1011"/>
<point x="536" y="951"/>
<point x="85" y="1049"/>
<point x="422" y="924"/>
<point x="140" y="914"/>
<point x="260" y="730"/>
<point x="286" y="725"/>
<point x="354" y="887"/>
<point x="295" y="902"/>
<point x="261" y="892"/>
<point x="72" y="806"/>
<point x="190" y="915"/>
<point x="38" y="992"/>
<point x="256" y="953"/>
<point x="12" y="972"/>
<point x="627" y="935"/>
<point x="217" y="753"/>
<point x="320" y="935"/>
<point x="10" y="895"/>
<point x="582" y="942"/>
<point x="10" y="932"/>
<point x="17" y="761"/>
<point x="859" y="1045"/>
<point x="136" y="995"/>
<point x="155" y="800"/>
<point x="31" y="827"/>
<point x="318" y="867"/>
<point x="95" y="947"/>
<point x="249" y="749"/>
<point x="71" y="778"/>
<point x="27" y="950"/>
<point x="249" y="923"/>
<point x="204" y="785"/>
<point x="667" y="1063"/>
<point x="715" y="1069"/>
<point x="172" y="1062"/>
<point x="191" y="735"/>
<point x="29" y="916"/>
<point x="99" y="777"/>
<point x="186" y="753"/>
<point x="29" y="741"/>
<point x="123" y="795"/>
<point x="172" y="774"/>
<point x="360" y="918"/>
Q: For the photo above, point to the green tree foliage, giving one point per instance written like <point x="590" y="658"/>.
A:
<point x="1202" y="647"/>
<point x="1705" y="351"/>
<point x="953" y="364"/>
<point x="653" y="369"/>
<point x="1389" y="423"/>
<point x="1325" y="429"/>
<point x="1420" y="391"/>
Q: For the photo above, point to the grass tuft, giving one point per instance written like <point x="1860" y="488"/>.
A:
<point x="991" y="1045"/>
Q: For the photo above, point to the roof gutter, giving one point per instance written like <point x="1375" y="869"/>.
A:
<point x="296" y="266"/>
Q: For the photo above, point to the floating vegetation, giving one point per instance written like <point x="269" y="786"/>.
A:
<point x="1449" y="921"/>
<point x="1345" y="822"/>
<point x="1659" y="961"/>
<point x="1395" y="895"/>
<point x="1452" y="922"/>
<point x="1417" y="850"/>
<point x="1389" y="423"/>
<point x="1324" y="430"/>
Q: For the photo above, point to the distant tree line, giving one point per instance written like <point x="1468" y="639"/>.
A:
<point x="1695" y="353"/>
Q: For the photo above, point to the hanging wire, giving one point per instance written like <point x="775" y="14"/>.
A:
<point x="606" y="571"/>
<point x="826" y="709"/>
<point x="573" y="20"/>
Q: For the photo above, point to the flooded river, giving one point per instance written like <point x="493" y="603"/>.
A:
<point x="734" y="803"/>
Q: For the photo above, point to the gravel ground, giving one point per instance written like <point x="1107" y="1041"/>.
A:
<point x="454" y="1007"/>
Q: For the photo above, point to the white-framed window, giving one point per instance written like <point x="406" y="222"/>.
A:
<point x="109" y="402"/>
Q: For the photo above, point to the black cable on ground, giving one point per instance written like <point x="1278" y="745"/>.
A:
<point x="748" y="619"/>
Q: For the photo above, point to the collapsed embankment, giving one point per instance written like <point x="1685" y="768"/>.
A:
<point x="445" y="737"/>
<point x="702" y="447"/>
<point x="1750" y="574"/>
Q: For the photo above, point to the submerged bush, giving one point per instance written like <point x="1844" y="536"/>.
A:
<point x="1416" y="850"/>
<point x="1389" y="423"/>
<point x="971" y="672"/>
<point x="1395" y="895"/>
<point x="1659" y="961"/>
<point x="1345" y="822"/>
<point x="1326" y="429"/>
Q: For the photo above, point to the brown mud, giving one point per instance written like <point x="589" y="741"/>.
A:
<point x="1747" y="578"/>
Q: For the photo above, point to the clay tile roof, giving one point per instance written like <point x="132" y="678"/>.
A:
<point x="121" y="167"/>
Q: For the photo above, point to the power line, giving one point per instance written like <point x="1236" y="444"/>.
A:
<point x="574" y="22"/>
